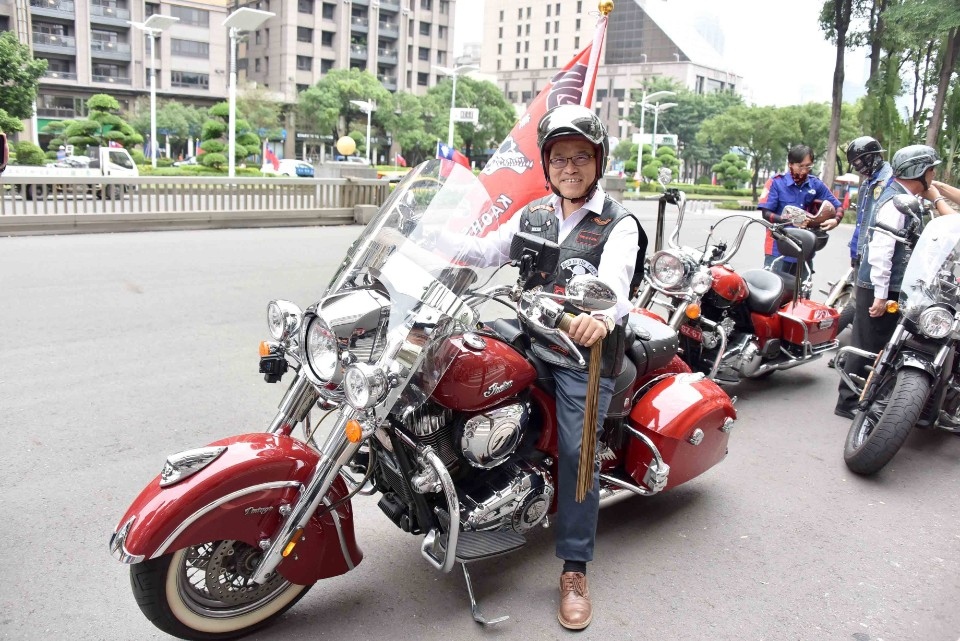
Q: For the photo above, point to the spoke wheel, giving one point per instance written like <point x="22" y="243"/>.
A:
<point x="878" y="432"/>
<point x="206" y="592"/>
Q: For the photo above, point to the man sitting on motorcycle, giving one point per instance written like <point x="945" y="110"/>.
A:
<point x="884" y="260"/>
<point x="799" y="188"/>
<point x="596" y="236"/>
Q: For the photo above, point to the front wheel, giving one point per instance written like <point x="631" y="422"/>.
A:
<point x="878" y="432"/>
<point x="204" y="592"/>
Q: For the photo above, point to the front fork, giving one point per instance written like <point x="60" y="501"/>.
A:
<point x="336" y="451"/>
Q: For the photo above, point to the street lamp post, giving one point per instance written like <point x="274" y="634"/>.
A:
<point x="243" y="19"/>
<point x="657" y="108"/>
<point x="367" y="107"/>
<point x="644" y="102"/>
<point x="454" y="72"/>
<point x="152" y="27"/>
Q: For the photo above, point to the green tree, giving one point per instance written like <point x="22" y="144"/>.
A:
<point x="101" y="125"/>
<point x="216" y="141"/>
<point x="496" y="118"/>
<point x="29" y="154"/>
<point x="685" y="119"/>
<point x="731" y="171"/>
<point x="256" y="105"/>
<point x="761" y="133"/>
<point x="835" y="19"/>
<point x="326" y="105"/>
<point x="20" y="77"/>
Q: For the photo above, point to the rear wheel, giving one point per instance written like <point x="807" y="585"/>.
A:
<point x="204" y="592"/>
<point x="878" y="432"/>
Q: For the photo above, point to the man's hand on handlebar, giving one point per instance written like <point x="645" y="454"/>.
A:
<point x="586" y="330"/>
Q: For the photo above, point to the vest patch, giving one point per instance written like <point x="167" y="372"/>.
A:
<point x="588" y="238"/>
<point x="576" y="267"/>
<point x="602" y="221"/>
<point x="877" y="191"/>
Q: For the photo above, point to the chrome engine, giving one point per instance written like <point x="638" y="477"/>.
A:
<point x="515" y="496"/>
<point x="498" y="490"/>
<point x="488" y="439"/>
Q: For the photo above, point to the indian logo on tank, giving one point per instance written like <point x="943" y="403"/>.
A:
<point x="496" y="388"/>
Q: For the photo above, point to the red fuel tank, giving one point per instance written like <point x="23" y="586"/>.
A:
<point x="728" y="286"/>
<point x="484" y="372"/>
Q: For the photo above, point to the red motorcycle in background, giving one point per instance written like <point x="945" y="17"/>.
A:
<point x="448" y="417"/>
<point x="738" y="325"/>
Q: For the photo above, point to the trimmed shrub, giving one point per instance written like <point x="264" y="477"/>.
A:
<point x="30" y="154"/>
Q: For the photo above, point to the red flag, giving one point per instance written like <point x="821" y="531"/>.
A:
<point x="401" y="160"/>
<point x="272" y="159"/>
<point x="514" y="176"/>
<point x="114" y="143"/>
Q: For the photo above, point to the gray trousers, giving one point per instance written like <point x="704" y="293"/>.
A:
<point x="576" y="523"/>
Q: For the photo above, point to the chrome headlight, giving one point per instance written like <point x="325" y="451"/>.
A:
<point x="935" y="322"/>
<point x="364" y="385"/>
<point x="702" y="281"/>
<point x="666" y="269"/>
<point x="283" y="319"/>
<point x="321" y="349"/>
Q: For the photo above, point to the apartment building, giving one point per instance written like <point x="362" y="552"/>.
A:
<point x="91" y="47"/>
<point x="399" y="41"/>
<point x="526" y="41"/>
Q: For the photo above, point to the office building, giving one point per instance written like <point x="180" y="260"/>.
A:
<point x="526" y="41"/>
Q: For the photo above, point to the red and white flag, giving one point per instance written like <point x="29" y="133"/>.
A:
<point x="114" y="143"/>
<point x="401" y="160"/>
<point x="271" y="158"/>
<point x="445" y="151"/>
<point x="514" y="176"/>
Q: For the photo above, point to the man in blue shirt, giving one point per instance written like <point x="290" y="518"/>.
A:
<point x="795" y="187"/>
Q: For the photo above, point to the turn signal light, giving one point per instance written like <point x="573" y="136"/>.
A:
<point x="693" y="311"/>
<point x="354" y="431"/>
<point x="293" y="543"/>
<point x="264" y="348"/>
<point x="892" y="307"/>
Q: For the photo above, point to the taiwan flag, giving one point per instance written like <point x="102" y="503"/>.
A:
<point x="446" y="151"/>
<point x="401" y="160"/>
<point x="514" y="175"/>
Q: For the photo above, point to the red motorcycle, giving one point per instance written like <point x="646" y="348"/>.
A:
<point x="739" y="325"/>
<point x="450" y="419"/>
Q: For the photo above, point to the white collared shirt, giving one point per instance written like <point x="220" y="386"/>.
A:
<point x="617" y="260"/>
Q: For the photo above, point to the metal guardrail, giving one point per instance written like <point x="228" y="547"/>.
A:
<point x="38" y="205"/>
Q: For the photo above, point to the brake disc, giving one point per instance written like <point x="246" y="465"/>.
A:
<point x="229" y="572"/>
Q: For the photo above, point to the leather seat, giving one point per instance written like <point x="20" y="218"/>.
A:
<point x="766" y="291"/>
<point x="654" y="346"/>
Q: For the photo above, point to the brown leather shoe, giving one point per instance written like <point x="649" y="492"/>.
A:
<point x="575" y="610"/>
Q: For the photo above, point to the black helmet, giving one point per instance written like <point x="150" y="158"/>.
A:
<point x="864" y="155"/>
<point x="572" y="120"/>
<point x="912" y="162"/>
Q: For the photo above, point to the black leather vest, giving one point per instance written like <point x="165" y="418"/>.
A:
<point x="580" y="253"/>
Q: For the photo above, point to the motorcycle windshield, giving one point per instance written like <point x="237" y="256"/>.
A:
<point x="404" y="286"/>
<point x="933" y="263"/>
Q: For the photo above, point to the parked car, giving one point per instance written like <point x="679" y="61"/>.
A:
<point x="289" y="167"/>
<point x="189" y="160"/>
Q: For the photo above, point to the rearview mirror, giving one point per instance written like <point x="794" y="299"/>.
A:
<point x="909" y="206"/>
<point x="590" y="294"/>
<point x="664" y="175"/>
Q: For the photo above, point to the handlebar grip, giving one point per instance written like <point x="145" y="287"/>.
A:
<point x="565" y="321"/>
<point x="900" y="233"/>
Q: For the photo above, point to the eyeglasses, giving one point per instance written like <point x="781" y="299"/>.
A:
<point x="578" y="161"/>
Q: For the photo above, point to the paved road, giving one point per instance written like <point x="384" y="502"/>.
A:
<point x="122" y="348"/>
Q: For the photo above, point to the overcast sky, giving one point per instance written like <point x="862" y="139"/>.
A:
<point x="784" y="59"/>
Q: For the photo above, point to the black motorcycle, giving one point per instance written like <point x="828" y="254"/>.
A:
<point x="915" y="379"/>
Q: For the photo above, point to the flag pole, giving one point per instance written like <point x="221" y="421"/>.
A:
<point x="605" y="7"/>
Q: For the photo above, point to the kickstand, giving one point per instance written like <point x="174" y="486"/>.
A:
<point x="474" y="608"/>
